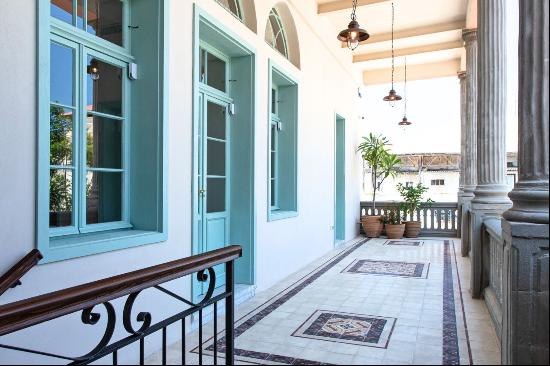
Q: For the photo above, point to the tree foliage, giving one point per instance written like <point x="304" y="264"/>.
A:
<point x="376" y="152"/>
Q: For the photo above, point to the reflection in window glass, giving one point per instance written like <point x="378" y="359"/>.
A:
<point x="104" y="142"/>
<point x="105" y="92"/>
<point x="216" y="158"/>
<point x="62" y="10"/>
<point x="216" y="195"/>
<point x="275" y="33"/>
<point x="233" y="6"/>
<point x="62" y="74"/>
<point x="61" y="197"/>
<point x="103" y="197"/>
<point x="216" y="72"/>
<point x="216" y="121"/>
<point x="61" y="136"/>
<point x="105" y="20"/>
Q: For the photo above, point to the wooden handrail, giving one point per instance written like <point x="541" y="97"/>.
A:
<point x="26" y="313"/>
<point x="11" y="278"/>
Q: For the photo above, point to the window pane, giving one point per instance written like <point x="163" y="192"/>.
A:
<point x="216" y="195"/>
<point x="216" y="158"/>
<point x="103" y="197"/>
<point x="103" y="142"/>
<point x="203" y="65"/>
<point x="105" y="92"/>
<point x="216" y="121"/>
<point x="274" y="101"/>
<point x="61" y="74"/>
<point x="216" y="72"/>
<point x="61" y="198"/>
<point x="273" y="193"/>
<point x="273" y="137"/>
<point x="273" y="165"/>
<point x="105" y="20"/>
<point x="61" y="136"/>
<point x="79" y="14"/>
<point x="62" y="10"/>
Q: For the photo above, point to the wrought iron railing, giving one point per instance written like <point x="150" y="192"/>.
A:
<point x="24" y="314"/>
<point x="440" y="219"/>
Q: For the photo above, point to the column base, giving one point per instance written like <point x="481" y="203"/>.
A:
<point x="530" y="203"/>
<point x="525" y="294"/>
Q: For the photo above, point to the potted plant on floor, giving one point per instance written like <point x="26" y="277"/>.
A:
<point x="412" y="202"/>
<point x="382" y="163"/>
<point x="395" y="228"/>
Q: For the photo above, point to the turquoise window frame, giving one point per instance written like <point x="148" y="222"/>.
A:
<point x="81" y="240"/>
<point x="286" y="167"/>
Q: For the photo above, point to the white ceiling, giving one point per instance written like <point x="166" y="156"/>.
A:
<point x="424" y="16"/>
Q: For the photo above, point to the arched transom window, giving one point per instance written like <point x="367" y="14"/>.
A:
<point x="275" y="33"/>
<point x="233" y="6"/>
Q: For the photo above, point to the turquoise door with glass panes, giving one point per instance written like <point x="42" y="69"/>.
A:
<point x="213" y="180"/>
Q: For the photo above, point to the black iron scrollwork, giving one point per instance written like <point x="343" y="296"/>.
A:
<point x="202" y="276"/>
<point x="90" y="318"/>
<point x="142" y="317"/>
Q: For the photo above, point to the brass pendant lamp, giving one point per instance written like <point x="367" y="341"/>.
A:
<point x="354" y="34"/>
<point x="392" y="97"/>
<point x="405" y="122"/>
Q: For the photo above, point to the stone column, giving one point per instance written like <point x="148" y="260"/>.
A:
<point x="469" y="142"/>
<point x="491" y="193"/>
<point x="525" y="302"/>
<point x="463" y="96"/>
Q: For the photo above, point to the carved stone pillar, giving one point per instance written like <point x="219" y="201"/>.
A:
<point x="491" y="193"/>
<point x="463" y="159"/>
<point x="469" y="135"/>
<point x="525" y="302"/>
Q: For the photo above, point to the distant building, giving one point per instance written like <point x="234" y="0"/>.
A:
<point x="440" y="172"/>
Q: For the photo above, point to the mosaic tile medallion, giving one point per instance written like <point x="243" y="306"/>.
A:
<point x="388" y="268"/>
<point x="362" y="330"/>
<point x="405" y="243"/>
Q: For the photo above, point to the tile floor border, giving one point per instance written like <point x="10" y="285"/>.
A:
<point x="451" y="350"/>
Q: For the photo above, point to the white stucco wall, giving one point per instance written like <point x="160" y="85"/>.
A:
<point x="326" y="86"/>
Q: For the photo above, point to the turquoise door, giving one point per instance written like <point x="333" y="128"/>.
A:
<point x="213" y="178"/>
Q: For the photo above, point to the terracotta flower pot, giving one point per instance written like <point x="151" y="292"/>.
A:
<point x="412" y="229"/>
<point x="395" y="231"/>
<point x="372" y="225"/>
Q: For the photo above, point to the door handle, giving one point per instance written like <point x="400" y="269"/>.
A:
<point x="202" y="192"/>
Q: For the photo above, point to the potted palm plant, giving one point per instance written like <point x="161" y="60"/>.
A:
<point x="395" y="228"/>
<point x="412" y="202"/>
<point x="375" y="152"/>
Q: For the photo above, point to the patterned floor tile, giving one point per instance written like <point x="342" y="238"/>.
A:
<point x="388" y="268"/>
<point x="357" y="329"/>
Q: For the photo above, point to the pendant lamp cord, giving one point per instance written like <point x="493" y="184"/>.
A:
<point x="392" y="48"/>
<point x="353" y="16"/>
<point x="405" y="87"/>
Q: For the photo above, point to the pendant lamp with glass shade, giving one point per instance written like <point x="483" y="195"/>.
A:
<point x="354" y="34"/>
<point x="392" y="97"/>
<point x="405" y="122"/>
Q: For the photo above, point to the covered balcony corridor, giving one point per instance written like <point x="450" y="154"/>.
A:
<point x="371" y="302"/>
<point x="183" y="182"/>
